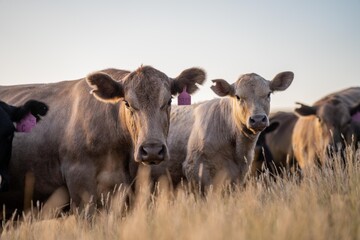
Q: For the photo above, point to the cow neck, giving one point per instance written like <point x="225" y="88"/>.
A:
<point x="244" y="152"/>
<point x="245" y="141"/>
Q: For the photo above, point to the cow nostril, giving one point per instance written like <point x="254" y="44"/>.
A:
<point x="162" y="151"/>
<point x="143" y="152"/>
<point x="258" y="119"/>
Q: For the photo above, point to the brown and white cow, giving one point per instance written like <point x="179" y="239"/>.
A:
<point x="86" y="145"/>
<point x="321" y="128"/>
<point x="220" y="134"/>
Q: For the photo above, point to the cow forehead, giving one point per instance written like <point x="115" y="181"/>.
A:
<point x="146" y="77"/>
<point x="148" y="100"/>
<point x="147" y="86"/>
<point x="252" y="85"/>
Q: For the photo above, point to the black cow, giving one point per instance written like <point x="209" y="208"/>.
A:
<point x="8" y="116"/>
<point x="263" y="158"/>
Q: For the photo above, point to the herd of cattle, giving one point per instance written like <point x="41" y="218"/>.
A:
<point x="95" y="131"/>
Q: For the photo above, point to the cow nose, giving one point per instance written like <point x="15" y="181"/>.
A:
<point x="152" y="153"/>
<point x="258" y="122"/>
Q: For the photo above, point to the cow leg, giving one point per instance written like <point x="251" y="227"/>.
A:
<point x="81" y="182"/>
<point x="197" y="173"/>
<point x="28" y="190"/>
<point x="82" y="200"/>
<point x="244" y="170"/>
<point x="53" y="205"/>
<point x="13" y="199"/>
<point x="91" y="179"/>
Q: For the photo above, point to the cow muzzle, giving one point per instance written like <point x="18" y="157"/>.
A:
<point x="257" y="123"/>
<point x="152" y="153"/>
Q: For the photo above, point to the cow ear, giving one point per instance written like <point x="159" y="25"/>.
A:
<point x="272" y="127"/>
<point x="222" y="88"/>
<point x="104" y="87"/>
<point x="36" y="107"/>
<point x="281" y="81"/>
<point x="355" y="109"/>
<point x="305" y="110"/>
<point x="188" y="78"/>
<point x="335" y="101"/>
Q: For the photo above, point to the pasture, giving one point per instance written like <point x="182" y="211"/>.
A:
<point x="323" y="205"/>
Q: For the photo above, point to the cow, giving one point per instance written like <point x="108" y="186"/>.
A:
<point x="89" y="138"/>
<point x="279" y="141"/>
<point x="8" y="116"/>
<point x="220" y="134"/>
<point x="352" y="131"/>
<point x="320" y="129"/>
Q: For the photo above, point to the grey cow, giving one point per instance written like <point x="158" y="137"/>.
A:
<point x="219" y="136"/>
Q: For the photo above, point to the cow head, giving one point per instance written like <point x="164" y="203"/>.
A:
<point x="8" y="115"/>
<point x="251" y="98"/>
<point x="352" y="130"/>
<point x="145" y="97"/>
<point x="355" y="112"/>
<point x="332" y="119"/>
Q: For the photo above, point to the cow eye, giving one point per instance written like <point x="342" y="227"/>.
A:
<point x="167" y="104"/>
<point x="240" y="99"/>
<point x="269" y="96"/>
<point x="126" y="104"/>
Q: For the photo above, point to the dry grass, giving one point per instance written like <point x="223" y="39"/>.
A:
<point x="325" y="205"/>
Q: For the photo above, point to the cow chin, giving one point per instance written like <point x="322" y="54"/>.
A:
<point x="257" y="129"/>
<point x="150" y="163"/>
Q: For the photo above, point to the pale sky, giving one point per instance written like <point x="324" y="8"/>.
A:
<point x="43" y="41"/>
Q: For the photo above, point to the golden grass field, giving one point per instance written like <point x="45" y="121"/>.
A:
<point x="324" y="205"/>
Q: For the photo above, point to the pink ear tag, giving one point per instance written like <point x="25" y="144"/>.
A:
<point x="184" y="98"/>
<point x="26" y="124"/>
<point x="356" y="117"/>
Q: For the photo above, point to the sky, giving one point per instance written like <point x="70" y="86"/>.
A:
<point x="43" y="41"/>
